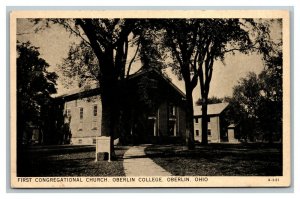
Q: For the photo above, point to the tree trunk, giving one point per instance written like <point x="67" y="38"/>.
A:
<point x="108" y="122"/>
<point x="109" y="109"/>
<point x="204" y="122"/>
<point x="190" y="141"/>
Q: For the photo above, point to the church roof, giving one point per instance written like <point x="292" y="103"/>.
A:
<point x="95" y="90"/>
<point x="212" y="109"/>
<point x="140" y="73"/>
<point x="75" y="91"/>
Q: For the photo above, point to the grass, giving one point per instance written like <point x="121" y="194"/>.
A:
<point x="68" y="161"/>
<point x="219" y="159"/>
<point x="211" y="160"/>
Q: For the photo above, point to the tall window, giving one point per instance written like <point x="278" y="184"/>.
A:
<point x="81" y="113"/>
<point x="95" y="110"/>
<point x="196" y="120"/>
<point x="197" y="132"/>
<point x="172" y="110"/>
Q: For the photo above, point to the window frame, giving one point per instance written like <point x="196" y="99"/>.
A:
<point x="172" y="110"/>
<point x="95" y="110"/>
<point x="81" y="113"/>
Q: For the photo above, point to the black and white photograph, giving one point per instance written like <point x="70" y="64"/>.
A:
<point x="150" y="99"/>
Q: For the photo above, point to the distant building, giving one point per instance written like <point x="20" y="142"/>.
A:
<point x="154" y="111"/>
<point x="217" y="125"/>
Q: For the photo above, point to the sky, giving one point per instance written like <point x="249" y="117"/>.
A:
<point x="54" y="44"/>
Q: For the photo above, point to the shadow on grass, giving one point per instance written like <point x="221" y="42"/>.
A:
<point x="219" y="159"/>
<point x="69" y="161"/>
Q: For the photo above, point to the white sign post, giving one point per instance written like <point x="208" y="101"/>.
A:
<point x="103" y="146"/>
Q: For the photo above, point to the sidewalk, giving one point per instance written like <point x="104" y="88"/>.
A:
<point x="136" y="163"/>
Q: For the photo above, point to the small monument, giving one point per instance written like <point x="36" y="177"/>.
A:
<point x="103" y="146"/>
<point x="231" y="133"/>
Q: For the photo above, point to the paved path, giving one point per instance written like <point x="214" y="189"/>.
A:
<point x="136" y="163"/>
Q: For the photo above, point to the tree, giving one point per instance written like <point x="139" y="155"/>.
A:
<point x="181" y="38"/>
<point x="81" y="66"/>
<point x="34" y="87"/>
<point x="262" y="107"/>
<point x="270" y="109"/>
<point x="217" y="37"/>
<point x="197" y="43"/>
<point x="108" y="39"/>
<point x="245" y="104"/>
<point x="257" y="101"/>
<point x="102" y="56"/>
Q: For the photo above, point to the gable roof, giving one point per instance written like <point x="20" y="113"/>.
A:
<point x="135" y="75"/>
<point x="95" y="90"/>
<point x="212" y="109"/>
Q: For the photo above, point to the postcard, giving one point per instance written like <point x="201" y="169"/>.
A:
<point x="150" y="98"/>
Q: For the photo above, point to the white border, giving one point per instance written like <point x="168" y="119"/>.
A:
<point x="3" y="88"/>
<point x="212" y="181"/>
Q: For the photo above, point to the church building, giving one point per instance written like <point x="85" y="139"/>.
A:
<point x="153" y="111"/>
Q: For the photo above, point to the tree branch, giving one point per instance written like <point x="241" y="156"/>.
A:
<point x="174" y="48"/>
<point x="193" y="44"/>
<point x="133" y="58"/>
<point x="195" y="62"/>
<point x="195" y="76"/>
<point x="253" y="46"/>
<point x="88" y="29"/>
<point x="201" y="80"/>
<point x="67" y="26"/>
<point x="200" y="69"/>
<point x="209" y="75"/>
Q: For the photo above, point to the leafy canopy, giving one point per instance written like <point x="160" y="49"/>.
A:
<point x="34" y="83"/>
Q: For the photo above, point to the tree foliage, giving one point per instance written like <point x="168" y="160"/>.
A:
<point x="257" y="100"/>
<point x="196" y="44"/>
<point x="34" y="87"/>
<point x="211" y="100"/>
<point x="143" y="45"/>
<point x="80" y="67"/>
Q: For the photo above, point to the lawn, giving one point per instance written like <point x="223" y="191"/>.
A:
<point x="211" y="160"/>
<point x="68" y="161"/>
<point x="219" y="159"/>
